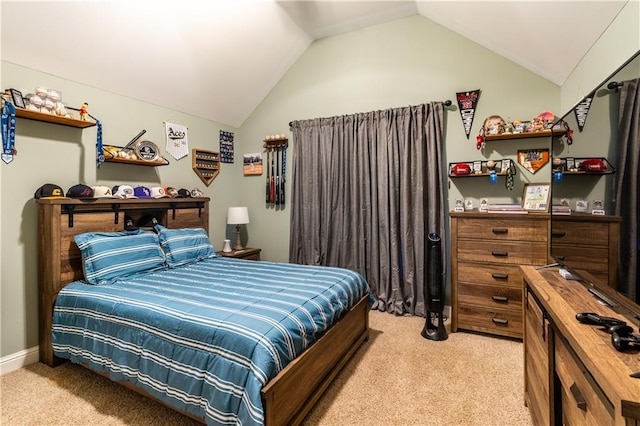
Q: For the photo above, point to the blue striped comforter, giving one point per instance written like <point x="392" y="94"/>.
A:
<point x="205" y="337"/>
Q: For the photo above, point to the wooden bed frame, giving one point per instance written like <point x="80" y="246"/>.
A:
<point x="287" y="398"/>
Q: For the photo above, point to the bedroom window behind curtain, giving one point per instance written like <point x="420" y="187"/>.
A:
<point x="367" y="189"/>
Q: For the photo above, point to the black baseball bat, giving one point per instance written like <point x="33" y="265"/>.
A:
<point x="277" y="176"/>
<point x="273" y="183"/>
<point x="268" y="176"/>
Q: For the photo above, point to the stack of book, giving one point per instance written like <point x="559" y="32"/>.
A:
<point x="506" y="208"/>
<point x="561" y="210"/>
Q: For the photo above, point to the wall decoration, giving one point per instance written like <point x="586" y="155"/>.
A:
<point x="533" y="159"/>
<point x="177" y="141"/>
<point x="467" y="105"/>
<point x="535" y="197"/>
<point x="582" y="110"/>
<point x="252" y="164"/>
<point x="226" y="146"/>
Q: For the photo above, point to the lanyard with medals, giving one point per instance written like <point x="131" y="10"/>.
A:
<point x="8" y="132"/>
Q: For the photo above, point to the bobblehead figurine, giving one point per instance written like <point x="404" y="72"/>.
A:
<point x="84" y="113"/>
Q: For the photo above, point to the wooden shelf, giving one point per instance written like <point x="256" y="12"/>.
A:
<point x="276" y="143"/>
<point x="544" y="133"/>
<point x="160" y="162"/>
<point x="55" y="119"/>
<point x="205" y="164"/>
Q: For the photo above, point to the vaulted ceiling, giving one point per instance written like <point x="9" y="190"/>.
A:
<point x="218" y="59"/>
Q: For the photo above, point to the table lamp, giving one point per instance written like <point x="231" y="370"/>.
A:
<point x="237" y="216"/>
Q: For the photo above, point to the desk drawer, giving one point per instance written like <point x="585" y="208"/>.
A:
<point x="491" y="297"/>
<point x="515" y="253"/>
<point x="488" y="273"/>
<point x="506" y="323"/>
<point x="583" y="402"/>
<point x="508" y="229"/>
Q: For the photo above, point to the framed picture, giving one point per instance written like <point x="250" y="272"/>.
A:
<point x="16" y="95"/>
<point x="535" y="197"/>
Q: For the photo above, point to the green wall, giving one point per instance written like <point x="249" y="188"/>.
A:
<point x="66" y="156"/>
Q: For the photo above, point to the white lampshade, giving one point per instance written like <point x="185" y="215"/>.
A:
<point x="237" y="216"/>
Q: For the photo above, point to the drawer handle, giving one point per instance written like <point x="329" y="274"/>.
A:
<point x="502" y="299"/>
<point x="500" y="230"/>
<point x="558" y="233"/>
<point x="499" y="276"/>
<point x="577" y="396"/>
<point x="499" y="320"/>
<point x="500" y="253"/>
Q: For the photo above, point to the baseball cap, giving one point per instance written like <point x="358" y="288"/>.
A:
<point x="171" y="192"/>
<point x="49" y="191"/>
<point x="80" y="191"/>
<point x="122" y="191"/>
<point x="102" y="192"/>
<point x="184" y="193"/>
<point x="158" y="192"/>
<point x="142" y="192"/>
<point x="196" y="193"/>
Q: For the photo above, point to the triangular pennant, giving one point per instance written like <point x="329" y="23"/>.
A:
<point x="582" y="110"/>
<point x="467" y="106"/>
<point x="177" y="140"/>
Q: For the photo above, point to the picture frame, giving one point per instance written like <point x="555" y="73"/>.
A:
<point x="18" y="100"/>
<point x="535" y="197"/>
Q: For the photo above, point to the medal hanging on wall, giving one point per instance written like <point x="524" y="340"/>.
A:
<point x="8" y="132"/>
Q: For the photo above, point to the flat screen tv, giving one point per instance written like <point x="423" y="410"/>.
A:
<point x="595" y="189"/>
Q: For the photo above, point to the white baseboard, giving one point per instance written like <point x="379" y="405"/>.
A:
<point x="18" y="360"/>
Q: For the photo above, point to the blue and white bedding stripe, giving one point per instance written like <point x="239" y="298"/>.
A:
<point x="207" y="336"/>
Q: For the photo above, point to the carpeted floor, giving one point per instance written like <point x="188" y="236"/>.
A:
<point x="396" y="378"/>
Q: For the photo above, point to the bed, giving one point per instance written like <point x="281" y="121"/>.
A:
<point x="222" y="340"/>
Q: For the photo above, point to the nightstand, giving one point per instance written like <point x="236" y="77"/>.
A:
<point x="246" y="253"/>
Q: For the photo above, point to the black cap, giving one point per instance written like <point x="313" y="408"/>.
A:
<point x="184" y="193"/>
<point x="147" y="220"/>
<point x="81" y="191"/>
<point x="49" y="191"/>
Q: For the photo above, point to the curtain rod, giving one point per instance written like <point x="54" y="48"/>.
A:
<point x="446" y="103"/>
<point x="614" y="85"/>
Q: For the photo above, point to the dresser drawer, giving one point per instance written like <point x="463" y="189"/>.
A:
<point x="508" y="229"/>
<point x="492" y="274"/>
<point x="580" y="233"/>
<point x="515" y="253"/>
<point x="583" y="402"/>
<point x="580" y="257"/>
<point x="491" y="297"/>
<point x="475" y="318"/>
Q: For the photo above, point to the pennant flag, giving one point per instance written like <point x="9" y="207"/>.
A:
<point x="177" y="143"/>
<point x="581" y="110"/>
<point x="467" y="106"/>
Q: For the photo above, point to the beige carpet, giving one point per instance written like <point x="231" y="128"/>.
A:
<point x="396" y="378"/>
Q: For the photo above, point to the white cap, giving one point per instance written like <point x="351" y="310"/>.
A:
<point x="123" y="191"/>
<point x="102" y="192"/>
<point x="158" y="192"/>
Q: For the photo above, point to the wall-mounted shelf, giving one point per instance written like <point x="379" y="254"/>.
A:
<point x="55" y="119"/>
<point x="567" y="168"/>
<point x="479" y="168"/>
<point x="159" y="162"/>
<point x="206" y="164"/>
<point x="276" y="143"/>
<point x="541" y="134"/>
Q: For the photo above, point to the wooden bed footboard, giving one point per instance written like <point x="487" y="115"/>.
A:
<point x="289" y="396"/>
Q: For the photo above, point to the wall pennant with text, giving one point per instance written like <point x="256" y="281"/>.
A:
<point x="467" y="105"/>
<point x="582" y="110"/>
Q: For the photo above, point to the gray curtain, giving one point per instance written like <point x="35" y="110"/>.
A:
<point x="628" y="185"/>
<point x="367" y="189"/>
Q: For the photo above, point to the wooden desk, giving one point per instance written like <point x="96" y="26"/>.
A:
<point x="573" y="374"/>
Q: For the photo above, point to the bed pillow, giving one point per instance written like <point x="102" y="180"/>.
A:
<point x="109" y="255"/>
<point x="183" y="246"/>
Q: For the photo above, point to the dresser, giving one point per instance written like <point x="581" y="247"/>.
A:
<point x="486" y="251"/>
<point x="573" y="375"/>
<point x="588" y="243"/>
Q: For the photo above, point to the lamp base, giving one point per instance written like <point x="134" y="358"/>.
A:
<point x="238" y="243"/>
